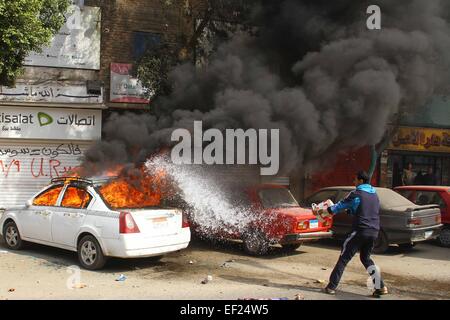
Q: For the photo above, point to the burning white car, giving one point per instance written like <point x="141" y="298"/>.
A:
<point x="97" y="219"/>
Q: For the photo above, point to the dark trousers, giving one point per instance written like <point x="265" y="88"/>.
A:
<point x="355" y="242"/>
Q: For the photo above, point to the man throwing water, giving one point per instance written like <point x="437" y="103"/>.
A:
<point x="364" y="206"/>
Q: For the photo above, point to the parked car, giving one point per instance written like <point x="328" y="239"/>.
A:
<point x="277" y="218"/>
<point x="402" y="222"/>
<point x="424" y="195"/>
<point x="72" y="214"/>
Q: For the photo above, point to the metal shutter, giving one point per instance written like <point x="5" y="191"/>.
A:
<point x="284" y="181"/>
<point x="241" y="175"/>
<point x="28" y="165"/>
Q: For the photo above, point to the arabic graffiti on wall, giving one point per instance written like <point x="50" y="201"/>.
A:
<point x="48" y="93"/>
<point x="37" y="168"/>
<point x="63" y="149"/>
<point x="48" y="161"/>
<point x="421" y="139"/>
<point x="50" y="123"/>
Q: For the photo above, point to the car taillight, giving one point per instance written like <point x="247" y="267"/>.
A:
<point x="414" y="222"/>
<point x="185" y="223"/>
<point x="127" y="223"/>
<point x="303" y="225"/>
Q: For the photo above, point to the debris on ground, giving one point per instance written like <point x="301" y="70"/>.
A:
<point x="122" y="277"/>
<point x="191" y="262"/>
<point x="299" y="296"/>
<point x="227" y="263"/>
<point x="207" y="279"/>
<point x="319" y="281"/>
<point x="3" y="251"/>
<point x="324" y="269"/>
<point x="11" y="290"/>
<point x="79" y="286"/>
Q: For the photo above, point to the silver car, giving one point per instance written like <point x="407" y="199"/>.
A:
<point x="402" y="222"/>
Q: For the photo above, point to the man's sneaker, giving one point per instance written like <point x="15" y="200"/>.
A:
<point x="380" y="292"/>
<point x="329" y="291"/>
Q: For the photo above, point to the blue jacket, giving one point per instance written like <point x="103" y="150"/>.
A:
<point x="363" y="204"/>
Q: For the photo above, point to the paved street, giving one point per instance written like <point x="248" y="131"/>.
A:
<point x="40" y="272"/>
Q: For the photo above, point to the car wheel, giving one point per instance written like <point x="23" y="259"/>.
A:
<point x="444" y="237"/>
<point x="11" y="235"/>
<point x="256" y="243"/>
<point x="407" y="246"/>
<point x="382" y="244"/>
<point x="90" y="253"/>
<point x="291" y="247"/>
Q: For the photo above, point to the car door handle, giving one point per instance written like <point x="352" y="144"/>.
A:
<point x="46" y="213"/>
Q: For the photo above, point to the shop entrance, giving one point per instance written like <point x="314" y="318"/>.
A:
<point x="438" y="165"/>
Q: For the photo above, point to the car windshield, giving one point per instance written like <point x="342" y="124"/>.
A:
<point x="321" y="196"/>
<point x="277" y="198"/>
<point x="390" y="199"/>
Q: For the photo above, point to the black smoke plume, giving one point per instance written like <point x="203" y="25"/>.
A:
<point x="313" y="70"/>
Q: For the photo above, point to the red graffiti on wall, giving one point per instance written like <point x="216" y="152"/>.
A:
<point x="51" y="168"/>
<point x="8" y="166"/>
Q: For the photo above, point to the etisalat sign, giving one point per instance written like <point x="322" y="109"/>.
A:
<point x="241" y="147"/>
<point x="50" y="123"/>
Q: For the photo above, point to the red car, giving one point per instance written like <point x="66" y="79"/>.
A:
<point x="278" y="219"/>
<point x="440" y="195"/>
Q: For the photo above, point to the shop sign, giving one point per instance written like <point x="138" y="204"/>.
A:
<point x="76" y="45"/>
<point x="124" y="87"/>
<point x="50" y="123"/>
<point x="52" y="92"/>
<point x="421" y="139"/>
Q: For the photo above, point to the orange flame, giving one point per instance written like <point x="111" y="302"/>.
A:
<point x="133" y="188"/>
<point x="75" y="198"/>
<point x="48" y="198"/>
<point x="137" y="191"/>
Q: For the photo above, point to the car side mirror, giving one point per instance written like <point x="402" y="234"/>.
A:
<point x="29" y="203"/>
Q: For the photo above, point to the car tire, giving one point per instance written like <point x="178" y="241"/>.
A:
<point x="291" y="247"/>
<point x="407" y="246"/>
<point x="90" y="254"/>
<point x="382" y="243"/>
<point x="256" y="243"/>
<point x="444" y="238"/>
<point x="11" y="236"/>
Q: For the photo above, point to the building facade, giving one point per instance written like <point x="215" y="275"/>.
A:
<point x="56" y="109"/>
<point x="54" y="112"/>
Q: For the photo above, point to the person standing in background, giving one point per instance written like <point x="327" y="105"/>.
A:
<point x="408" y="175"/>
<point x="430" y="178"/>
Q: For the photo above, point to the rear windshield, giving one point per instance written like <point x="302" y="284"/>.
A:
<point x="390" y="199"/>
<point x="123" y="194"/>
<point x="277" y="198"/>
<point x="406" y="193"/>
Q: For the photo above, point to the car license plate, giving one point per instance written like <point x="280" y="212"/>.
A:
<point x="313" y="224"/>
<point x="160" y="223"/>
<point x="428" y="234"/>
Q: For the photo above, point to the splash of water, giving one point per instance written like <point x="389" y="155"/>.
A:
<point x="208" y="203"/>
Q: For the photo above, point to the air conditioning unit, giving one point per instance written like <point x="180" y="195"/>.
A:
<point x="94" y="87"/>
